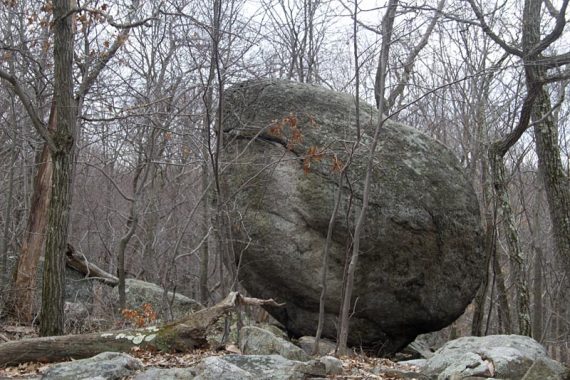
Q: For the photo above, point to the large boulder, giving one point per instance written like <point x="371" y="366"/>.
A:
<point x="421" y="248"/>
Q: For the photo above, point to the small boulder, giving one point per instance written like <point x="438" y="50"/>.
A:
<point x="217" y="368"/>
<point x="140" y="292"/>
<point x="307" y="344"/>
<point x="333" y="366"/>
<point x="257" y="341"/>
<point x="107" y="365"/>
<point x="495" y="356"/>
<point x="166" y="374"/>
<point x="546" y="369"/>
<point x="276" y="367"/>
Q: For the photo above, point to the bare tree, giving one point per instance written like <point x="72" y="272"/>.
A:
<point x="387" y="28"/>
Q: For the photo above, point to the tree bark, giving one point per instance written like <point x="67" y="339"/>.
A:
<point x="182" y="335"/>
<point x="511" y="236"/>
<point x="62" y="154"/>
<point x="22" y="297"/>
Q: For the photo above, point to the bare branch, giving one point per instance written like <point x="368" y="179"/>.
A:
<point x="502" y="146"/>
<point x="110" y="20"/>
<point x="551" y="9"/>
<point x="409" y="64"/>
<point x="115" y="185"/>
<point x="487" y="29"/>
<point x="24" y="97"/>
<point x="552" y="36"/>
<point x="555" y="61"/>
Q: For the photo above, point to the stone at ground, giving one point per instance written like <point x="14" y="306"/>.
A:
<point x="495" y="356"/>
<point x="242" y="367"/>
<point x="546" y="370"/>
<point x="257" y="341"/>
<point x="307" y="344"/>
<point x="422" y="257"/>
<point x="394" y="373"/>
<point x="217" y="368"/>
<point x="140" y="292"/>
<point x="414" y="362"/>
<point x="276" y="367"/>
<point x="107" y="365"/>
<point x="333" y="366"/>
<point x="274" y="329"/>
<point x="166" y="374"/>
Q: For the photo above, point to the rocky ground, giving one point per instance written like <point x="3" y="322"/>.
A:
<point x="261" y="353"/>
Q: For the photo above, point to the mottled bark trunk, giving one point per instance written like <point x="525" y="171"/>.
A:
<point x="554" y="177"/>
<point x="503" y="308"/>
<point x="481" y="296"/>
<point x="514" y="250"/>
<point x="204" y="249"/>
<point x="62" y="154"/>
<point x="52" y="313"/>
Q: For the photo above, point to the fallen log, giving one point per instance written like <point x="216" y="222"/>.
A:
<point x="79" y="262"/>
<point x="183" y="335"/>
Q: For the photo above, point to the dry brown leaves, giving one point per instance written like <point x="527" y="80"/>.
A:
<point x="362" y="367"/>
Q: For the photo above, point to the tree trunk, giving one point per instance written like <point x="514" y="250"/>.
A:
<point x="62" y="154"/>
<point x="514" y="249"/>
<point x="52" y="313"/>
<point x="22" y="302"/>
<point x="538" y="307"/>
<point x="183" y="335"/>
<point x="387" y="28"/>
<point x="552" y="170"/>
<point x="503" y="308"/>
<point x="481" y="296"/>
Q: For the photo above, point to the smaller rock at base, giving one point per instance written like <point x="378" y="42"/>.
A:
<point x="307" y="344"/>
<point x="216" y="368"/>
<point x="256" y="341"/>
<point x="166" y="374"/>
<point x="546" y="369"/>
<point x="419" y="363"/>
<point x="333" y="366"/>
<point x="107" y="365"/>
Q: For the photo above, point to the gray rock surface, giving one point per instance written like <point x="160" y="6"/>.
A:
<point x="276" y="367"/>
<point x="333" y="366"/>
<point x="421" y="260"/>
<point x="257" y="341"/>
<point x="496" y="356"/>
<point x="307" y="344"/>
<point x="107" y="365"/>
<point x="140" y="292"/>
<point x="217" y="368"/>
<point x="546" y="369"/>
<point x="166" y="374"/>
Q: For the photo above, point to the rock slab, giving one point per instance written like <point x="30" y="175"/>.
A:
<point x="421" y="250"/>
<point x="140" y="292"/>
<point x="257" y="341"/>
<point x="494" y="356"/>
<point x="105" y="366"/>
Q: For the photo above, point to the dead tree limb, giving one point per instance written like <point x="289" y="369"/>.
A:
<point x="79" y="262"/>
<point x="183" y="335"/>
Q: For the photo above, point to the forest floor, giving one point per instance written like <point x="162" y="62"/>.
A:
<point x="354" y="367"/>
